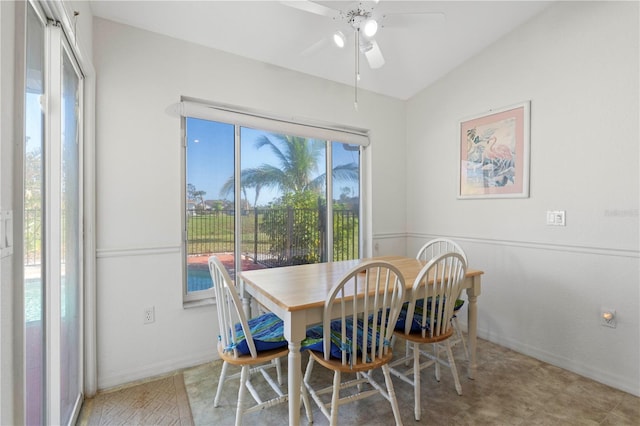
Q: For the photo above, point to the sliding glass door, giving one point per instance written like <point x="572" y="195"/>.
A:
<point x="70" y="238"/>
<point x="52" y="225"/>
<point x="33" y="211"/>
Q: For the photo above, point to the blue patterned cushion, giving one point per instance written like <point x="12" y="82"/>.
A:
<point x="267" y="331"/>
<point x="314" y="339"/>
<point x="417" y="314"/>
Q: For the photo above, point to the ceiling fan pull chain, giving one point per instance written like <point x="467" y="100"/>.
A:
<point x="357" y="76"/>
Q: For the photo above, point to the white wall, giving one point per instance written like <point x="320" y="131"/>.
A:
<point x="544" y="286"/>
<point x="139" y="74"/>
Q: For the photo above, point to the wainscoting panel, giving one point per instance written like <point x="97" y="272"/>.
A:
<point x="545" y="300"/>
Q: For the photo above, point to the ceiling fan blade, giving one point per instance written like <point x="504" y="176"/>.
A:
<point x="312" y="7"/>
<point x="374" y="56"/>
<point x="411" y="18"/>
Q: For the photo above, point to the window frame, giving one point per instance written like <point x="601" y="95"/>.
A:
<point x="241" y="117"/>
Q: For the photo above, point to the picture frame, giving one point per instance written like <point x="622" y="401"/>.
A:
<point x="494" y="153"/>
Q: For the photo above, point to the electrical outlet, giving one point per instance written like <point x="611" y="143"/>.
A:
<point x="608" y="317"/>
<point x="149" y="315"/>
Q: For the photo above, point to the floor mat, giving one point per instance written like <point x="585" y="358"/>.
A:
<point x="158" y="402"/>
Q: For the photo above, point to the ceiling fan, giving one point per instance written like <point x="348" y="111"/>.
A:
<point x="363" y="20"/>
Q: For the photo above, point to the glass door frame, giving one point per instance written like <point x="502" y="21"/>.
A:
<point x="58" y="31"/>
<point x="67" y="58"/>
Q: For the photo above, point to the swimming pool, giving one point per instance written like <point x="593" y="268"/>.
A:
<point x="33" y="299"/>
<point x="198" y="279"/>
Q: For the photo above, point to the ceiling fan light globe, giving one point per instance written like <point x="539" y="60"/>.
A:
<point x="370" y="27"/>
<point x="339" y="39"/>
<point x="365" y="46"/>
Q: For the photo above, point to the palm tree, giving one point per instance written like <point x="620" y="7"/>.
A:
<point x="298" y="159"/>
<point x="194" y="194"/>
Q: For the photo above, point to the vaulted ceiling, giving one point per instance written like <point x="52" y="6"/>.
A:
<point x="421" y="41"/>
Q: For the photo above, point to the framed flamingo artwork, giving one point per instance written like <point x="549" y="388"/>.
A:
<point x="494" y="154"/>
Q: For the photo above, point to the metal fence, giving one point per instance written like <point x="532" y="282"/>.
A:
<point x="32" y="237"/>
<point x="275" y="236"/>
<point x="270" y="236"/>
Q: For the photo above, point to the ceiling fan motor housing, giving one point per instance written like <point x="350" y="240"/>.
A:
<point x="362" y="22"/>
<point x="357" y="17"/>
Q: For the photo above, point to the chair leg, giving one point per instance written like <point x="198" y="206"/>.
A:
<point x="392" y="394"/>
<point x="335" y="397"/>
<point x="417" y="410"/>
<point x="244" y="376"/>
<point x="279" y="371"/>
<point x="454" y="370"/>
<point x="436" y="350"/>
<point x="305" y="402"/>
<point x="407" y="351"/>
<point x="305" y="395"/>
<point x="223" y="377"/>
<point x="460" y="337"/>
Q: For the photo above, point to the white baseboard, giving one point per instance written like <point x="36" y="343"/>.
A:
<point x="622" y="383"/>
<point x="151" y="371"/>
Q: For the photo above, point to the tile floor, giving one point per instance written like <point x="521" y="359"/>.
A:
<point x="509" y="389"/>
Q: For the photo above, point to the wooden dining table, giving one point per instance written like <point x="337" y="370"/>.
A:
<point x="297" y="295"/>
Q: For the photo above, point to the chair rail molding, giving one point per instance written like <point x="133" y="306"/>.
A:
<point x="603" y="251"/>
<point x="136" y="251"/>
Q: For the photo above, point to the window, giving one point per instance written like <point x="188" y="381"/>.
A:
<point x="256" y="191"/>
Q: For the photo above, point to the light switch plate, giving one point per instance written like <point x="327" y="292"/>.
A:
<point x="556" y="218"/>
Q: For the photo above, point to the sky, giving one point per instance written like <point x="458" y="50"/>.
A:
<point x="210" y="158"/>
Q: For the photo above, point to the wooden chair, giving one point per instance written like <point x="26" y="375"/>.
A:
<point x="433" y="249"/>
<point x="426" y="319"/>
<point x="255" y="344"/>
<point x="358" y="339"/>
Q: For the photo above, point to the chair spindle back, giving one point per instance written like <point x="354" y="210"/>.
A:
<point x="437" y="286"/>
<point x="230" y="310"/>
<point x="369" y="297"/>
